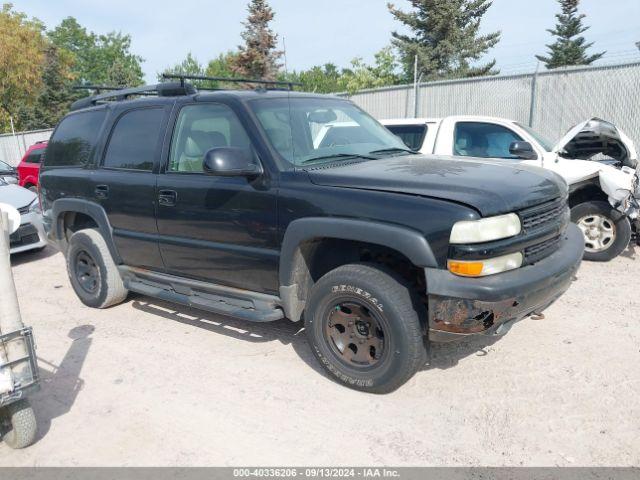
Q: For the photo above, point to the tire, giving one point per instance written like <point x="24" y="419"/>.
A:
<point x="383" y="345"/>
<point x="607" y="231"/>
<point x="21" y="421"/>
<point x="93" y="274"/>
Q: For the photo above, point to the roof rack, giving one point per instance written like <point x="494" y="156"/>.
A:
<point x="169" y="89"/>
<point x="182" y="78"/>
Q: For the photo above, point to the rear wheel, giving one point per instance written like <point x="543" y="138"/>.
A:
<point x="606" y="231"/>
<point x="92" y="271"/>
<point x="364" y="327"/>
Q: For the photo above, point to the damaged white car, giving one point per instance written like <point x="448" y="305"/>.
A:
<point x="597" y="160"/>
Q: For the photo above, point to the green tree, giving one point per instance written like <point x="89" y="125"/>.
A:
<point x="258" y="57"/>
<point x="570" y="47"/>
<point x="56" y="93"/>
<point x="381" y="74"/>
<point x="22" y="46"/>
<point x="98" y="59"/>
<point x="445" y="36"/>
<point x="189" y="66"/>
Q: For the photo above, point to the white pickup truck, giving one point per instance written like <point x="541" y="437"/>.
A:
<point x="597" y="160"/>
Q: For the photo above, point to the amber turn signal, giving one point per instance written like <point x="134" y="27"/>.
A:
<point x="465" y="269"/>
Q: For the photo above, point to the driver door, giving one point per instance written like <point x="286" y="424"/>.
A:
<point x="214" y="228"/>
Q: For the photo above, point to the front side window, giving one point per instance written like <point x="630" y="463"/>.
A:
<point x="411" y="135"/>
<point x="134" y="140"/>
<point x="200" y="128"/>
<point x="318" y="130"/>
<point x="75" y="138"/>
<point x="484" y="140"/>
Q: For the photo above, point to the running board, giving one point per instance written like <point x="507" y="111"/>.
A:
<point x="234" y="302"/>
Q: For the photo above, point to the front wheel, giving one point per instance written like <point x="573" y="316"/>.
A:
<point x="606" y="231"/>
<point x="18" y="423"/>
<point x="363" y="324"/>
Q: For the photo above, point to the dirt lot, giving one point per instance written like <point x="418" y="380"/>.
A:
<point x="148" y="383"/>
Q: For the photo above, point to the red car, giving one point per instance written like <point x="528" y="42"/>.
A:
<point x="29" y="167"/>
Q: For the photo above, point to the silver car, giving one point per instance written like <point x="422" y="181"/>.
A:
<point x="8" y="173"/>
<point x="30" y="235"/>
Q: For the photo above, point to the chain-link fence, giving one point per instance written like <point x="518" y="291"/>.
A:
<point x="551" y="102"/>
<point x="13" y="147"/>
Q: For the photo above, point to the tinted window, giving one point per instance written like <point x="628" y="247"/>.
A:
<point x="485" y="140"/>
<point x="35" y="156"/>
<point x="200" y="128"/>
<point x="74" y="139"/>
<point x="134" y="140"/>
<point x="411" y="135"/>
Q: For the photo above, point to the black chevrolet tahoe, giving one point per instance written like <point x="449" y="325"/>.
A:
<point x="250" y="203"/>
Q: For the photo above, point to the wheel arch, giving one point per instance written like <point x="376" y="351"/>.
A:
<point x="589" y="190"/>
<point x="303" y="236"/>
<point x="61" y="210"/>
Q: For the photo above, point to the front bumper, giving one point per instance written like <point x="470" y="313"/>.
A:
<point x="460" y="307"/>
<point x="30" y="235"/>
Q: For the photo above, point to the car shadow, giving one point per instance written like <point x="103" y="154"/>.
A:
<point x="441" y="356"/>
<point x="32" y="256"/>
<point x="61" y="384"/>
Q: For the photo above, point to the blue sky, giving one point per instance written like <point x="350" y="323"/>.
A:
<point x="318" y="32"/>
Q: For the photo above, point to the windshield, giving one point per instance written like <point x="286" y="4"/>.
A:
<point x="320" y="130"/>
<point x="543" y="141"/>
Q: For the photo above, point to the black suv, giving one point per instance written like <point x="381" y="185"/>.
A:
<point x="250" y="203"/>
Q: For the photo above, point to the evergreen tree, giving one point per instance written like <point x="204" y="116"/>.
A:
<point x="258" y="57"/>
<point x="445" y="38"/>
<point x="570" y="47"/>
<point x="56" y="94"/>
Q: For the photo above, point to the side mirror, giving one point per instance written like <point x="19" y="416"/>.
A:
<point x="230" y="162"/>
<point x="523" y="150"/>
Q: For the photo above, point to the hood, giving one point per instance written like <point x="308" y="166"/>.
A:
<point x="596" y="136"/>
<point x="15" y="196"/>
<point x="492" y="187"/>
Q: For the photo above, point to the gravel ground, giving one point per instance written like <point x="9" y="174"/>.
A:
<point x="148" y="383"/>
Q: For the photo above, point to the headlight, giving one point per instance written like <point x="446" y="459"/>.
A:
<point x="481" y="268"/>
<point x="486" y="229"/>
<point x="35" y="207"/>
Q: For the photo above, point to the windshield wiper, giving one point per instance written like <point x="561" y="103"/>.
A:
<point x="336" y="156"/>
<point x="393" y="150"/>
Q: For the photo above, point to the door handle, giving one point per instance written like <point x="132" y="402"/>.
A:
<point x="102" y="191"/>
<point x="167" y="198"/>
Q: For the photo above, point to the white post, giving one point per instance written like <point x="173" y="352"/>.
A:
<point x="415" y="87"/>
<point x="15" y="137"/>
<point x="10" y="319"/>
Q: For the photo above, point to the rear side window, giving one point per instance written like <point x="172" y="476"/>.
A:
<point x="134" y="140"/>
<point x="74" y="140"/>
<point x="411" y="135"/>
<point x="35" y="156"/>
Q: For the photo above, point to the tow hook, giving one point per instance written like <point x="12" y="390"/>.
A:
<point x="537" y="316"/>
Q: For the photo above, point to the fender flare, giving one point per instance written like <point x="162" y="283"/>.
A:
<point x="410" y="243"/>
<point x="91" y="209"/>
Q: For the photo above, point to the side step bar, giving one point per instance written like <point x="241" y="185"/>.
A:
<point x="234" y="302"/>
